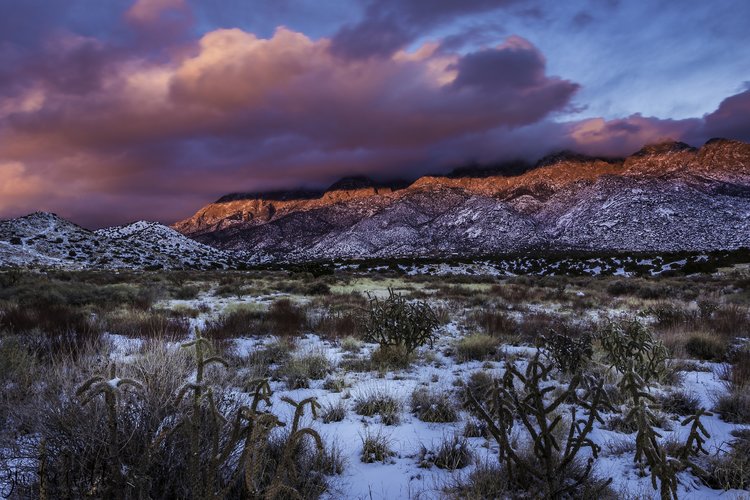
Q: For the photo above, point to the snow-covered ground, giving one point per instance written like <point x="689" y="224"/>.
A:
<point x="402" y="476"/>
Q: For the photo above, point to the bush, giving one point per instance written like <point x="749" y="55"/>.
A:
<point x="333" y="412"/>
<point x="396" y="322"/>
<point x="378" y="402"/>
<point x="146" y="325"/>
<point x="430" y="406"/>
<point x="680" y="403"/>
<point x="285" y="318"/>
<point x="734" y="407"/>
<point x="494" y="323"/>
<point x="705" y="347"/>
<point x="476" y="347"/>
<point x="376" y="447"/>
<point x="390" y="358"/>
<point x="451" y="454"/>
<point x="299" y="370"/>
<point x="732" y="470"/>
<point x="239" y="322"/>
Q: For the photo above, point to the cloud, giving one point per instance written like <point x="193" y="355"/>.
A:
<point x="156" y="129"/>
<point x="18" y="187"/>
<point x="390" y="25"/>
<point x="152" y="11"/>
<point x="731" y="119"/>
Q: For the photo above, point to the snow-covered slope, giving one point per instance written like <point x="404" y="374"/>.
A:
<point x="666" y="197"/>
<point x="46" y="240"/>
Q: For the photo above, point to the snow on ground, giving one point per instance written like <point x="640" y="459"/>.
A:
<point x="402" y="476"/>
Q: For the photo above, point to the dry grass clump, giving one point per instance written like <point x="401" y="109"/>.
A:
<point x="333" y="412"/>
<point x="493" y="322"/>
<point x="478" y="346"/>
<point x="378" y="401"/>
<point x="734" y="406"/>
<point x="433" y="406"/>
<point x="451" y="453"/>
<point x="731" y="470"/>
<point x="376" y="447"/>
<point x="386" y="358"/>
<point x="147" y="324"/>
<point x="300" y="369"/>
<point x="680" y="403"/>
<point x="706" y="347"/>
<point x="283" y="319"/>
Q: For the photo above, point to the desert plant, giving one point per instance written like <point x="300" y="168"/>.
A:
<point x="333" y="412"/>
<point x="396" y="322"/>
<point x="378" y="402"/>
<point x="648" y="451"/>
<point x="629" y="344"/>
<point x="109" y="388"/>
<point x="478" y="346"/>
<point x="553" y="473"/>
<point x="376" y="447"/>
<point x="569" y="354"/>
<point x="201" y="481"/>
<point x="451" y="453"/>
<point x="433" y="406"/>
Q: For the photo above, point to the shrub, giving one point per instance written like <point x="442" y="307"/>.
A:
<point x="431" y="406"/>
<point x="569" y="354"/>
<point x="680" y="403"/>
<point x="732" y="470"/>
<point x="299" y="370"/>
<point x="705" y="347"/>
<point x="333" y="412"/>
<point x="476" y="347"/>
<point x="396" y="322"/>
<point x="142" y="324"/>
<point x="549" y="467"/>
<point x="451" y="454"/>
<point x="317" y="288"/>
<point x="734" y="407"/>
<point x="378" y="402"/>
<point x="388" y="357"/>
<point x="285" y="318"/>
<point x="239" y="322"/>
<point x="493" y="322"/>
<point x="376" y="447"/>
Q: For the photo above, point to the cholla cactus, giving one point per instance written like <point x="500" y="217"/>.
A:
<point x="109" y="388"/>
<point x="630" y="344"/>
<point x="201" y="485"/>
<point x="540" y="418"/>
<point x="396" y="322"/>
<point x="648" y="451"/>
<point x="286" y="471"/>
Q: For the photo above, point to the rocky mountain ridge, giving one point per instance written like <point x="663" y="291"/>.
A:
<point x="666" y="197"/>
<point x="43" y="239"/>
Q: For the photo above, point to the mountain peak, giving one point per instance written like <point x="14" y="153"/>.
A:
<point x="662" y="148"/>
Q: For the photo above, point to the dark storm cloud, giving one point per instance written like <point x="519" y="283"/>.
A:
<point x="389" y="25"/>
<point x="731" y="119"/>
<point x="149" y="109"/>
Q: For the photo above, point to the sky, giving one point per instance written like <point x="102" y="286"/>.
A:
<point x="118" y="110"/>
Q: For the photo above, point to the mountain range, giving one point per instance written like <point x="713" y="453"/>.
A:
<point x="667" y="197"/>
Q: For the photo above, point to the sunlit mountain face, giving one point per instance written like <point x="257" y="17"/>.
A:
<point x="149" y="109"/>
